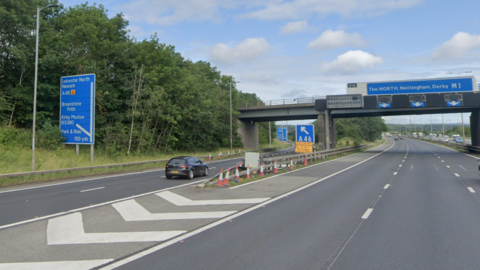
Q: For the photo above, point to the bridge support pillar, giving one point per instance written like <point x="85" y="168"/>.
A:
<point x="321" y="132"/>
<point x="475" y="127"/>
<point x="328" y="122"/>
<point x="249" y="133"/>
<point x="333" y="138"/>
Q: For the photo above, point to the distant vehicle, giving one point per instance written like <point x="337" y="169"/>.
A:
<point x="445" y="138"/>
<point x="185" y="167"/>
<point x="458" y="140"/>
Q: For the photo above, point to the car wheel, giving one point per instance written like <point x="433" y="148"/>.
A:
<point x="206" y="172"/>
<point x="168" y="176"/>
<point x="190" y="174"/>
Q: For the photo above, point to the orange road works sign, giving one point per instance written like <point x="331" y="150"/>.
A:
<point x="303" y="147"/>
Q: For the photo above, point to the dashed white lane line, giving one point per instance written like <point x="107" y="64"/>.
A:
<point x="448" y="166"/>
<point x="443" y="161"/>
<point x="395" y="173"/>
<point x="367" y="213"/>
<point x="411" y="168"/>
<point x="92" y="189"/>
<point x="386" y="186"/>
<point x="457" y="175"/>
<point x="471" y="189"/>
<point x="400" y="165"/>
<point x="462" y="167"/>
<point x="403" y="160"/>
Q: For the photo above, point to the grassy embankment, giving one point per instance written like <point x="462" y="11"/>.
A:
<point x="20" y="160"/>
<point x="344" y="142"/>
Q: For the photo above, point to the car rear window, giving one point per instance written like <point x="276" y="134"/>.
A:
<point x="175" y="161"/>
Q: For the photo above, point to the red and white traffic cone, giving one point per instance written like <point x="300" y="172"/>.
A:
<point x="248" y="172"/>
<point x="305" y="162"/>
<point x="261" y="170"/>
<point x="237" y="176"/>
<point x="227" y="175"/>
<point x="220" y="179"/>
<point x="275" y="167"/>
<point x="218" y="155"/>
<point x="210" y="156"/>
<point x="291" y="164"/>
<point x="240" y="164"/>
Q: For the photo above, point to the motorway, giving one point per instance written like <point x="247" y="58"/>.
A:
<point x="404" y="205"/>
<point x="37" y="201"/>
<point x="412" y="207"/>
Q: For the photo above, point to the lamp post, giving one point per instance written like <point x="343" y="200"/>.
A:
<point x="463" y="126"/>
<point x="35" y="85"/>
<point x="231" y="136"/>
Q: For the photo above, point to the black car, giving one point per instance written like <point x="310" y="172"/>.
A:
<point x="185" y="166"/>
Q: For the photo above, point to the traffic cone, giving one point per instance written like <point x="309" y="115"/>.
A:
<point x="240" y="164"/>
<point x="261" y="170"/>
<point x="210" y="156"/>
<point x="291" y="164"/>
<point x="305" y="162"/>
<point x="227" y="175"/>
<point x="220" y="179"/>
<point x="275" y="167"/>
<point x="248" y="172"/>
<point x="218" y="155"/>
<point x="237" y="176"/>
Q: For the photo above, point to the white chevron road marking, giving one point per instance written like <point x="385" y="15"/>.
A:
<point x="68" y="230"/>
<point x="60" y="265"/>
<point x="132" y="211"/>
<point x="182" y="201"/>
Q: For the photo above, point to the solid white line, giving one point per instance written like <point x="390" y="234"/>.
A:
<point x="86" y="190"/>
<point x="182" y="201"/>
<point x="367" y="213"/>
<point x="59" y="265"/>
<point x="386" y="186"/>
<point x="462" y="167"/>
<point x="96" y="205"/>
<point x="457" y="175"/>
<point x="132" y="211"/>
<point x="68" y="230"/>
<point x="471" y="189"/>
<point x="395" y="173"/>
<point x="218" y="222"/>
<point x="255" y="182"/>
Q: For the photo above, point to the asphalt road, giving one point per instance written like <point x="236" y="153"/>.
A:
<point x="29" y="203"/>
<point x="412" y="207"/>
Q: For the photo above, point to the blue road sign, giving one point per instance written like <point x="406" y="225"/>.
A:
<point x="77" y="108"/>
<point x="454" y="104"/>
<point x="422" y="86"/>
<point x="304" y="133"/>
<point x="285" y="135"/>
<point x="418" y="104"/>
<point x="384" y="105"/>
<point x="280" y="134"/>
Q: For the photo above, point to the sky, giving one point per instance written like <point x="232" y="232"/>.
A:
<point x="310" y="48"/>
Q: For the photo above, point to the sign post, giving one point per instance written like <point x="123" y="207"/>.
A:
<point x="305" y="138"/>
<point x="77" y="109"/>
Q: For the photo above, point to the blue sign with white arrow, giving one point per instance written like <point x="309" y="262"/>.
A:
<point x="280" y="134"/>
<point x="454" y="104"/>
<point x="384" y="105"/>
<point x="77" y="109"/>
<point x="304" y="133"/>
<point x="418" y="104"/>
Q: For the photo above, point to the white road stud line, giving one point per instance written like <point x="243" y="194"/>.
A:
<point x="92" y="189"/>
<point x="68" y="230"/>
<point x="367" y="213"/>
<point x="59" y="265"/>
<point x="448" y="166"/>
<point x="386" y="186"/>
<point x="471" y="189"/>
<point x="132" y="211"/>
<point x="462" y="167"/>
<point x="456" y="174"/>
<point x="395" y="173"/>
<point x="179" y="200"/>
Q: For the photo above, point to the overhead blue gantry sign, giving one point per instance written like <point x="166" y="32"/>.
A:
<point x="77" y="109"/>
<point x="422" y="86"/>
<point x="304" y="133"/>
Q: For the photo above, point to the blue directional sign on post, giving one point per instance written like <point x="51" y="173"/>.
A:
<point x="280" y="134"/>
<point x="285" y="135"/>
<point x="304" y="133"/>
<point x="77" y="108"/>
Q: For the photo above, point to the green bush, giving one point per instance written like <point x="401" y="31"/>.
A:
<point x="49" y="136"/>
<point x="10" y="136"/>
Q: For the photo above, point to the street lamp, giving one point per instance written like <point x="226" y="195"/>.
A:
<point x="231" y="136"/>
<point x="35" y="85"/>
<point x="463" y="126"/>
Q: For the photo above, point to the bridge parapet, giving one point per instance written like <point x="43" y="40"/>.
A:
<point x="282" y="102"/>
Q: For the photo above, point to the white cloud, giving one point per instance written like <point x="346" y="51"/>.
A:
<point x="284" y="9"/>
<point x="352" y="61"/>
<point x="295" y="93"/>
<point x="259" y="78"/>
<point x="334" y="39"/>
<point x="294" y="27"/>
<point x="248" y="50"/>
<point x="459" y="45"/>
